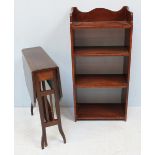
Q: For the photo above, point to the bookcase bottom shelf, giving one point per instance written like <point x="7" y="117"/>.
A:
<point x="99" y="111"/>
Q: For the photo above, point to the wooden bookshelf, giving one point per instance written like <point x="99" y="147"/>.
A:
<point x="99" y="19"/>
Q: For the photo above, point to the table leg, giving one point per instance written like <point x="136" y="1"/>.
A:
<point x="42" y="116"/>
<point x="58" y="111"/>
<point x="31" y="109"/>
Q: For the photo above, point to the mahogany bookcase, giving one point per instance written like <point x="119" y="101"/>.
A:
<point x="85" y="44"/>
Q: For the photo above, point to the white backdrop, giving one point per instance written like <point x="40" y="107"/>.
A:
<point x="46" y="23"/>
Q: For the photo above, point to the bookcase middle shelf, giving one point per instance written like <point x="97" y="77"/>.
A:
<point x="101" y="51"/>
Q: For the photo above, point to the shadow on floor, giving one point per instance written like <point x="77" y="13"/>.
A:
<point x="67" y="112"/>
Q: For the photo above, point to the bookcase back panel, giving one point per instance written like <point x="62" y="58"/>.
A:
<point x="98" y="95"/>
<point x="99" y="65"/>
<point x="99" y="37"/>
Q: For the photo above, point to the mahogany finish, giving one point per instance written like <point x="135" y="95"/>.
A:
<point x="98" y="24"/>
<point x="100" y="111"/>
<point x="101" y="18"/>
<point x="39" y="68"/>
<point x="101" y="81"/>
<point x="101" y="51"/>
<point x="36" y="58"/>
<point x="100" y="14"/>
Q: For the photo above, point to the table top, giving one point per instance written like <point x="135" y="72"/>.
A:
<point x="35" y="59"/>
<point x="37" y="54"/>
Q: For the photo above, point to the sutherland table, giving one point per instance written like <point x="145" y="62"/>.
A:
<point x="43" y="82"/>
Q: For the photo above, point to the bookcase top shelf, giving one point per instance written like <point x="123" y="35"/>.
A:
<point x="101" y="18"/>
<point x="101" y="24"/>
